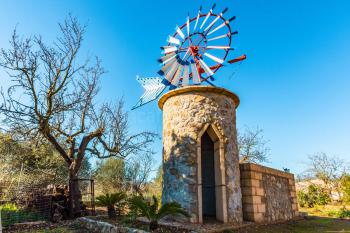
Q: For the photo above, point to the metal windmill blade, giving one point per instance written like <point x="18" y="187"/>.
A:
<point x="193" y="54"/>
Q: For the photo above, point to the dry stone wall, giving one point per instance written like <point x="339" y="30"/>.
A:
<point x="268" y="195"/>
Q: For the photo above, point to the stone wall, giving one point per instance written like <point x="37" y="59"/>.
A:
<point x="187" y="113"/>
<point x="268" y="195"/>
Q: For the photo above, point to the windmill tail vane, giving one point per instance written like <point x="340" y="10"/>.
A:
<point x="153" y="87"/>
<point x="193" y="54"/>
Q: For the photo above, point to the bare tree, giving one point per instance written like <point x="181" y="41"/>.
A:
<point x="327" y="168"/>
<point x="137" y="172"/>
<point x="52" y="98"/>
<point x="252" y="146"/>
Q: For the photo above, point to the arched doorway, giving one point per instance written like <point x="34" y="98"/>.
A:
<point x="211" y="176"/>
<point x="208" y="178"/>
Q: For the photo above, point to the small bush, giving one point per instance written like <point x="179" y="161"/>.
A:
<point x="302" y="198"/>
<point x="11" y="214"/>
<point x="8" y="207"/>
<point x="153" y="211"/>
<point x="345" y="187"/>
<point x="114" y="203"/>
<point x="315" y="195"/>
<point x="342" y="213"/>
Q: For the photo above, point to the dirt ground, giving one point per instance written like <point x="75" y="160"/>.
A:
<point x="308" y="225"/>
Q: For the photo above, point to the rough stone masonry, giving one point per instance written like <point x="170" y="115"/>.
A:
<point x="188" y="114"/>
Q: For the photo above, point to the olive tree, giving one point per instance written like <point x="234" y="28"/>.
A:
<point x="52" y="98"/>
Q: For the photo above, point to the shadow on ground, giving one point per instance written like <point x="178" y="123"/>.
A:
<point x="307" y="225"/>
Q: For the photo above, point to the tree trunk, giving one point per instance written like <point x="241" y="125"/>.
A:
<point x="153" y="225"/>
<point x="75" y="199"/>
<point x="111" y="212"/>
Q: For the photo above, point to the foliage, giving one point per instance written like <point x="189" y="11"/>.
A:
<point x="315" y="195"/>
<point x="131" y="175"/>
<point x="31" y="163"/>
<point x="341" y="213"/>
<point x="345" y="188"/>
<point x="138" y="169"/>
<point x="150" y="210"/>
<point x="110" y="175"/>
<point x="9" y="207"/>
<point x="111" y="201"/>
<point x="327" y="168"/>
<point x="344" y="213"/>
<point x="302" y="198"/>
<point x="155" y="187"/>
<point x="252" y="146"/>
<point x="11" y="214"/>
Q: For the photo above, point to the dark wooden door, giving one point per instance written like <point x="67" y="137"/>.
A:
<point x="208" y="176"/>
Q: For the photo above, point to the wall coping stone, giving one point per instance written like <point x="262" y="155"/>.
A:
<point x="205" y="89"/>
<point x="263" y="169"/>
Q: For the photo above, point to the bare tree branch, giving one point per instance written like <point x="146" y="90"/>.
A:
<point x="252" y="146"/>
<point x="52" y="98"/>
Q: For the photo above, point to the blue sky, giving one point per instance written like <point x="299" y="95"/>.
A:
<point x="294" y="84"/>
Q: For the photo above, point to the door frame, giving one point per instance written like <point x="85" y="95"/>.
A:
<point x="219" y="167"/>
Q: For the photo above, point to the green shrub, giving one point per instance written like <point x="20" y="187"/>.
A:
<point x="8" y="207"/>
<point x="11" y="214"/>
<point x="114" y="203"/>
<point x="345" y="188"/>
<point x="315" y="195"/>
<point x="302" y="198"/>
<point x="153" y="211"/>
<point x="342" y="213"/>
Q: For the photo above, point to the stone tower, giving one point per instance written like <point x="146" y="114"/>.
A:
<point x="200" y="155"/>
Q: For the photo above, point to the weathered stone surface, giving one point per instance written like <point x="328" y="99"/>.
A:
<point x="186" y="112"/>
<point x="104" y="227"/>
<point x="268" y="194"/>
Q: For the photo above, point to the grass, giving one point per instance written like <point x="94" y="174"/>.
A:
<point x="319" y="221"/>
<point x="56" y="230"/>
<point x="309" y="225"/>
<point x="11" y="214"/>
<point x="59" y="229"/>
<point x="324" y="211"/>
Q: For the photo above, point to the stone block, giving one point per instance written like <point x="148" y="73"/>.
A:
<point x="251" y="175"/>
<point x="251" y="208"/>
<point x="247" y="191"/>
<point x="248" y="216"/>
<point x="251" y="199"/>
<point x="245" y="174"/>
<point x="258" y="175"/>
<point x="250" y="183"/>
<point x="292" y="188"/>
<point x="258" y="217"/>
<point x="261" y="208"/>
<point x="259" y="191"/>
<point x="291" y="182"/>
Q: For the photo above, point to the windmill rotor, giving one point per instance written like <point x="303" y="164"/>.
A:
<point x="195" y="52"/>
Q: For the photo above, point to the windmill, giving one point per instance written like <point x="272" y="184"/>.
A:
<point x="193" y="54"/>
